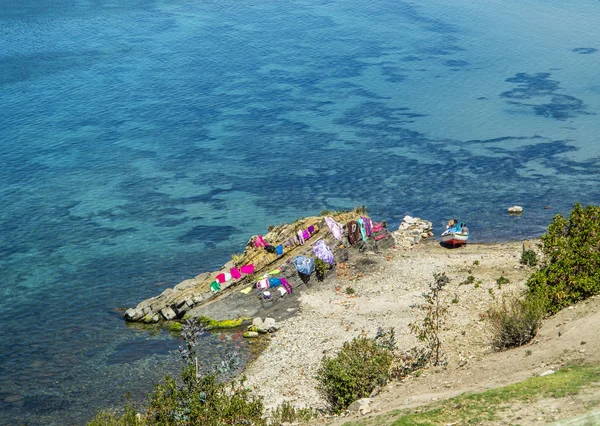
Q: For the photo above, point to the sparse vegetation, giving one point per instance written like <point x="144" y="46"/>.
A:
<point x="514" y="321"/>
<point x="486" y="407"/>
<point x="350" y="290"/>
<point x="469" y="280"/>
<point x="502" y="280"/>
<point x="475" y="262"/>
<point x="286" y="412"/>
<point x="428" y="331"/>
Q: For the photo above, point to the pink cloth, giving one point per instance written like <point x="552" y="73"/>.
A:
<point x="221" y="278"/>
<point x="247" y="269"/>
<point x="286" y="285"/>
<point x="235" y="273"/>
<point x="306" y="234"/>
<point x="301" y="237"/>
<point x="259" y="242"/>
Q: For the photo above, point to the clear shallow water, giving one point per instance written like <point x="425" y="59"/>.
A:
<point x="145" y="142"/>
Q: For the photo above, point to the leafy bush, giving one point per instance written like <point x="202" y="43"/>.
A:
<point x="572" y="249"/>
<point x="359" y="367"/>
<point x="198" y="400"/>
<point x="321" y="268"/>
<point x="514" y="321"/>
<point x="529" y="258"/>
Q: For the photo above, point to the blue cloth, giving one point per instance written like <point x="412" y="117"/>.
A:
<point x="274" y="282"/>
<point x="304" y="265"/>
<point x="279" y="249"/>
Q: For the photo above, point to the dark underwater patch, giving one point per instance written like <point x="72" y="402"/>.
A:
<point x="539" y="85"/>
<point x="203" y="233"/>
<point x="584" y="50"/>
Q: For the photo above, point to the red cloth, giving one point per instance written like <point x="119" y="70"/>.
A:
<point x="221" y="278"/>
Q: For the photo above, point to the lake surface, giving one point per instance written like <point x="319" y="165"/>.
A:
<point x="144" y="142"/>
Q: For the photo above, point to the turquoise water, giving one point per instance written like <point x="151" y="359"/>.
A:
<point x="145" y="142"/>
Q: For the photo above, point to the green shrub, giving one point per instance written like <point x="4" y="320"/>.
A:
<point x="129" y="418"/>
<point x="502" y="280"/>
<point x="359" y="367"/>
<point x="572" y="251"/>
<point x="469" y="280"/>
<point x="514" y="321"/>
<point x="196" y="399"/>
<point x="321" y="268"/>
<point x="529" y="258"/>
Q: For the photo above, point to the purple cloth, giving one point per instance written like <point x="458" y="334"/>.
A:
<point x="305" y="234"/>
<point x="311" y="229"/>
<point x="323" y="252"/>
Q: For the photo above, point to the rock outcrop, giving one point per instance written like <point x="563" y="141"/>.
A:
<point x="411" y="231"/>
<point x="185" y="298"/>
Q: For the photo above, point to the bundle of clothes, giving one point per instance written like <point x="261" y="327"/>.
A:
<point x="357" y="230"/>
<point x="234" y="273"/>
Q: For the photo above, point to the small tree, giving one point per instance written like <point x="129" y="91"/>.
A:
<point x="428" y="330"/>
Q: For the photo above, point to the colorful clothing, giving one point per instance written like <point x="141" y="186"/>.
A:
<point x="285" y="284"/>
<point x="235" y="273"/>
<point x="353" y="232"/>
<point x="274" y="282"/>
<point x="304" y="265"/>
<point x="279" y="250"/>
<point x="263" y="284"/>
<point x="305" y="234"/>
<point x="220" y="278"/>
<point x="301" y="237"/>
<point x="363" y="229"/>
<point x="337" y="229"/>
<point x="214" y="287"/>
<point x="247" y="269"/>
<point x="259" y="242"/>
<point x="323" y="252"/>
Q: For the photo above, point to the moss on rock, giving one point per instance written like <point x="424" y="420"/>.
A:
<point x="213" y="324"/>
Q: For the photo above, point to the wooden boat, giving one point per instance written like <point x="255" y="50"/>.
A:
<point x="454" y="238"/>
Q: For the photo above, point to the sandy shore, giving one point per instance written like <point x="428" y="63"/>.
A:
<point x="386" y="285"/>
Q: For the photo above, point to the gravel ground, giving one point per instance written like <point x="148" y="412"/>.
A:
<point x="386" y="286"/>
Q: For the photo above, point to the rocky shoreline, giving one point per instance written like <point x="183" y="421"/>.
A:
<point x="193" y="297"/>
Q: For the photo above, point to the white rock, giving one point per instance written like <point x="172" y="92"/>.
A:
<point x="360" y="404"/>
<point x="168" y="313"/>
<point x="257" y="322"/>
<point x="515" y="209"/>
<point x="547" y="373"/>
<point x="408" y="219"/>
